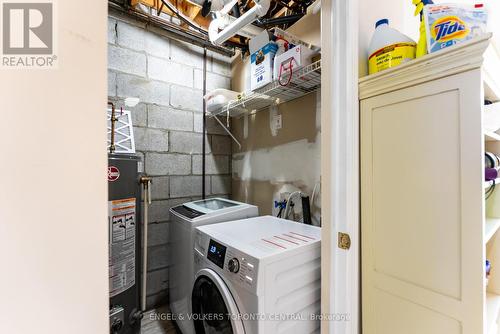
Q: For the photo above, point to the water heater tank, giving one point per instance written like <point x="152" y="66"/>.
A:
<point x="124" y="194"/>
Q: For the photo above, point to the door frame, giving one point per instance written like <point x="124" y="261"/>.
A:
<point x="340" y="274"/>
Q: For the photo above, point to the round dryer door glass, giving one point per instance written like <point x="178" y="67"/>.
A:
<point x="212" y="306"/>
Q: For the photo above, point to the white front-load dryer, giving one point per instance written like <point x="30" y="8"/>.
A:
<point x="184" y="219"/>
<point x="257" y="276"/>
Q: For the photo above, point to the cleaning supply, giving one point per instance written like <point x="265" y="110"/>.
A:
<point x="389" y="48"/>
<point x="422" y="40"/>
<point x="449" y="24"/>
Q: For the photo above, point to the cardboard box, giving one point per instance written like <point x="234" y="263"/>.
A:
<point x="298" y="56"/>
<point x="261" y="66"/>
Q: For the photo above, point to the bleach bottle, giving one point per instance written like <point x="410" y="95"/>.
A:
<point x="389" y="48"/>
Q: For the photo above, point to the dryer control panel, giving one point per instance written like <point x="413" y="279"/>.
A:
<point x="233" y="264"/>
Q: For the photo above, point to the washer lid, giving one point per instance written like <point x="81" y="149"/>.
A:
<point x="213" y="306"/>
<point x="212" y="204"/>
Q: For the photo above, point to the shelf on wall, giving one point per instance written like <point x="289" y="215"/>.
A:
<point x="491" y="226"/>
<point x="491" y="136"/>
<point x="303" y="81"/>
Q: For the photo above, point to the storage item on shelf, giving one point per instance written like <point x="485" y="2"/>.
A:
<point x="388" y="48"/>
<point x="449" y="24"/>
<point x="261" y="66"/>
<point x="490" y="174"/>
<point x="422" y="40"/>
<point x="491" y="160"/>
<point x="304" y="81"/>
<point x="293" y="59"/>
<point x="292" y="39"/>
<point x="217" y="98"/>
<point x="488" y="271"/>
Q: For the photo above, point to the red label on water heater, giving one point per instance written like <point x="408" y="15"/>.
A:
<point x="113" y="173"/>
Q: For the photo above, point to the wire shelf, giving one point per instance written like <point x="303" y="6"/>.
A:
<point x="304" y="81"/>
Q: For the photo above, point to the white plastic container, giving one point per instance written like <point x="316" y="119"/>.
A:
<point x="218" y="98"/>
<point x="389" y="48"/>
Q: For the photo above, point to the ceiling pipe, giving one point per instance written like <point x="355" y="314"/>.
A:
<point x="241" y="26"/>
<point x="166" y="28"/>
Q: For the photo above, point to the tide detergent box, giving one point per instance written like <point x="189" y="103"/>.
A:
<point x="261" y="65"/>
<point x="449" y="24"/>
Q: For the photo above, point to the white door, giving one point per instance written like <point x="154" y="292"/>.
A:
<point x="422" y="209"/>
<point x="213" y="306"/>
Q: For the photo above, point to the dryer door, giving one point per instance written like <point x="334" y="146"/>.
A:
<point x="214" y="308"/>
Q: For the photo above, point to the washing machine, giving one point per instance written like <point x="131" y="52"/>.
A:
<point x="184" y="219"/>
<point x="257" y="276"/>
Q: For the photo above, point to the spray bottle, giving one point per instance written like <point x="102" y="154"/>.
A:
<point x="422" y="41"/>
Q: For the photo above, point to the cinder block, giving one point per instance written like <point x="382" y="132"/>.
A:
<point x="187" y="54"/>
<point x="220" y="64"/>
<point x="170" y="119"/>
<point x="158" y="212"/>
<point x="168" y="71"/>
<point x="221" y="144"/>
<point x="157" y="45"/>
<point x="213" y="127"/>
<point x="183" y="186"/>
<point x="214" y="81"/>
<point x="221" y="184"/>
<point x="158" y="257"/>
<point x="157" y="281"/>
<point x="139" y="114"/>
<point x="151" y="139"/>
<point x="157" y="300"/>
<point x="215" y="164"/>
<point x="186" y="98"/>
<point x="111" y="30"/>
<point x="168" y="164"/>
<point x="111" y="83"/>
<point x="126" y="61"/>
<point x="198" y="122"/>
<point x="188" y="142"/>
<point x="160" y="188"/>
<point x="130" y="36"/>
<point x="158" y="233"/>
<point x="148" y="91"/>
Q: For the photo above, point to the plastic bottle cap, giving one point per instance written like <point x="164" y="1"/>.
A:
<point x="382" y="21"/>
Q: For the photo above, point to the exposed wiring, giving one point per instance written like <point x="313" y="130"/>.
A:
<point x="490" y="190"/>
<point x="183" y="18"/>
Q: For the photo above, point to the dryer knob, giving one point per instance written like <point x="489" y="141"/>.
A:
<point x="234" y="265"/>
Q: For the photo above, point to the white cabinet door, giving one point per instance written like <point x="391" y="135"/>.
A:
<point x="422" y="209"/>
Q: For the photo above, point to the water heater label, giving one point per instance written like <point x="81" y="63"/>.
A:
<point x="113" y="173"/>
<point x="122" y="220"/>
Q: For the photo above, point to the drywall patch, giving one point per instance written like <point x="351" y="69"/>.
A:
<point x="291" y="162"/>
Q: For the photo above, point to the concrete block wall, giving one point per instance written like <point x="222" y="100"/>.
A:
<point x="167" y="76"/>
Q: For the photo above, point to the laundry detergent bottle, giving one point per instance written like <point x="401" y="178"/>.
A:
<point x="388" y="48"/>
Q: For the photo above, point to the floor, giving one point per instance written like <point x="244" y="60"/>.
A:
<point x="157" y="322"/>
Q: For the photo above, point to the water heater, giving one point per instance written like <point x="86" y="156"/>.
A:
<point x="124" y="195"/>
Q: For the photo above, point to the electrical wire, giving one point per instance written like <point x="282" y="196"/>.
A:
<point x="490" y="190"/>
<point x="183" y="18"/>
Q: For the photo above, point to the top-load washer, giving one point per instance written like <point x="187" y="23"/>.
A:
<point x="257" y="276"/>
<point x="184" y="219"/>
